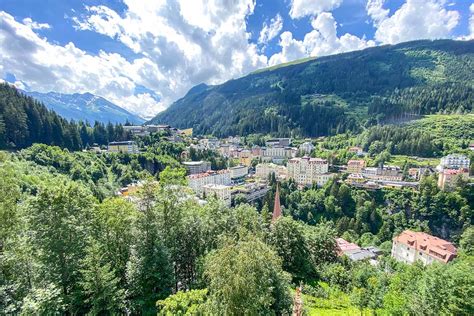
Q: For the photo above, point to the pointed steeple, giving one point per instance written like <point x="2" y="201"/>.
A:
<point x="276" y="205"/>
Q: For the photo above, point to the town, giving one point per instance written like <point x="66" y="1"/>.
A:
<point x="250" y="169"/>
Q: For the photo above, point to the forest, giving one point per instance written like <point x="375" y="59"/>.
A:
<point x="25" y="121"/>
<point x="70" y="246"/>
<point x="320" y="97"/>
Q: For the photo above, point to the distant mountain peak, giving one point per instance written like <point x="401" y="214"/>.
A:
<point x="85" y="106"/>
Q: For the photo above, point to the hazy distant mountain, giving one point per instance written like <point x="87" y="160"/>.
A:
<point x="85" y="106"/>
<point x="334" y="94"/>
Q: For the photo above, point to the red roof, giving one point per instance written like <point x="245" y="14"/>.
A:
<point x="435" y="247"/>
<point x="276" y="206"/>
<point x="343" y="246"/>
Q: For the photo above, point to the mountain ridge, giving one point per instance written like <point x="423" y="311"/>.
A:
<point x="85" y="107"/>
<point x="336" y="93"/>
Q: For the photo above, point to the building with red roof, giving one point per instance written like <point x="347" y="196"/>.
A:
<point x="412" y="246"/>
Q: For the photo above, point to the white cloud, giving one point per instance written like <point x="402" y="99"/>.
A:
<point x="302" y="8"/>
<point x="376" y="11"/>
<point x="185" y="42"/>
<point x="270" y="31"/>
<point x="179" y="44"/>
<point x="35" y="25"/>
<point x="321" y="41"/>
<point x="415" y="19"/>
<point x="44" y="67"/>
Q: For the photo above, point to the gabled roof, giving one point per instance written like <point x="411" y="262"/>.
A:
<point x="435" y="247"/>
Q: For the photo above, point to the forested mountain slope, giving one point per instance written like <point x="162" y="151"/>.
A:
<point x="336" y="93"/>
<point x="85" y="107"/>
<point x="25" y="121"/>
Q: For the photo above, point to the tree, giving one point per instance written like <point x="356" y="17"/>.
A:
<point x="288" y="239"/>
<point x="467" y="240"/>
<point x="183" y="303"/>
<point x="173" y="176"/>
<point x="59" y="221"/>
<point x="100" y="285"/>
<point x="245" y="278"/>
<point x="113" y="220"/>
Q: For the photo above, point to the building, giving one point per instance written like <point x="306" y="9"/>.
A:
<point x="281" y="142"/>
<point x="264" y="170"/>
<point x="387" y="173"/>
<point x="252" y="191"/>
<point x="257" y="151"/>
<point x="209" y="143"/>
<point x="198" y="181"/>
<point x="343" y="246"/>
<point x="454" y="161"/>
<point x="356" y="150"/>
<point x="356" y="253"/>
<point x="195" y="167"/>
<point x="447" y="177"/>
<point x="129" y="147"/>
<point x="411" y="246"/>
<point x="355" y="166"/>
<point x="306" y="148"/>
<point x="221" y="192"/>
<point x="355" y="178"/>
<point x="238" y="172"/>
<point x="144" y="130"/>
<point x="245" y="157"/>
<point x="279" y="153"/>
<point x="306" y="171"/>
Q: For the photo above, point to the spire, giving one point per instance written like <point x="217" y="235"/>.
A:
<point x="276" y="205"/>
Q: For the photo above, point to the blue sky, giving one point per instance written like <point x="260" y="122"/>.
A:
<point x="143" y="55"/>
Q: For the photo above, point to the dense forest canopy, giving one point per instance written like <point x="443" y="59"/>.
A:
<point x="25" y="121"/>
<point x="334" y="94"/>
<point x="68" y="246"/>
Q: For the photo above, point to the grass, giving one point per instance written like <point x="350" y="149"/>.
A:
<point x="399" y="160"/>
<point x="337" y="303"/>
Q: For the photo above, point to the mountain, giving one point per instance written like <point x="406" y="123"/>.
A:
<point x="334" y="94"/>
<point x="85" y="107"/>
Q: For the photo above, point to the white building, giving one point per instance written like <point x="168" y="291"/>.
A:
<point x="306" y="147"/>
<point x="454" y="161"/>
<point x="388" y="173"/>
<point x="279" y="153"/>
<point x="221" y="192"/>
<point x="264" y="170"/>
<point x="412" y="246"/>
<point x="282" y="142"/>
<point x="307" y="170"/>
<point x="195" y="167"/>
<point x="129" y="147"/>
<point x="238" y="172"/>
<point x="198" y="181"/>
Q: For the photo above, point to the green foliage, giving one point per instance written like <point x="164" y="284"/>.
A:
<point x="25" y="121"/>
<point x="183" y="303"/>
<point x="245" y="277"/>
<point x="320" y="97"/>
<point x="100" y="285"/>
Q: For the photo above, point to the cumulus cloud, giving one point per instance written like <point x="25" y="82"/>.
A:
<point x="270" y="31"/>
<point x="185" y="42"/>
<point x="322" y="40"/>
<point x="415" y="19"/>
<point x="302" y="8"/>
<point x="49" y="67"/>
<point x="35" y="25"/>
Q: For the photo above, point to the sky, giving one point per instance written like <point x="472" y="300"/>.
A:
<point x="145" y="54"/>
